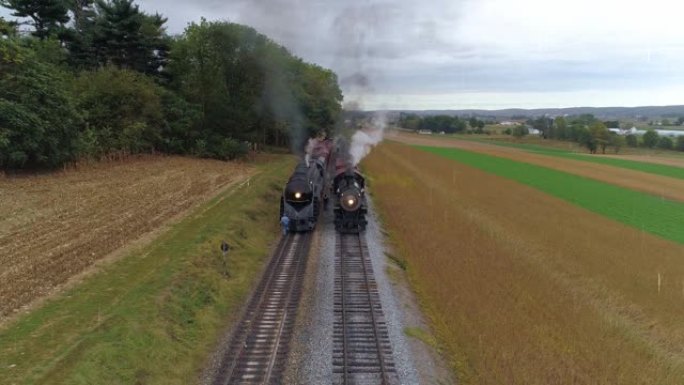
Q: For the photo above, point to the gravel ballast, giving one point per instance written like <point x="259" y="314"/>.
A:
<point x="311" y="354"/>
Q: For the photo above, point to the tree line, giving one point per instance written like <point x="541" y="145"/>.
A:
<point x="95" y="78"/>
<point x="595" y="135"/>
<point x="586" y="129"/>
<point x="441" y="123"/>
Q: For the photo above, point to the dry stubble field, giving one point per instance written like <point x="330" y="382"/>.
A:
<point x="523" y="288"/>
<point x="53" y="227"/>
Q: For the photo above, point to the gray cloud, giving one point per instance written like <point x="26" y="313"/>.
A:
<point x="408" y="47"/>
<point x="364" y="41"/>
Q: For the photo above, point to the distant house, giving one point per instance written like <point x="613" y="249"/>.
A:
<point x="670" y="133"/>
<point x="624" y="131"/>
<point x="508" y="123"/>
<point x="425" y="132"/>
<point x="533" y="131"/>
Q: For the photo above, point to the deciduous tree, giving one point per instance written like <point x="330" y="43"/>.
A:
<point x="520" y="130"/>
<point x="560" y="127"/>
<point x="600" y="135"/>
<point x="665" y="142"/>
<point x="39" y="125"/>
<point x="617" y="142"/>
<point x="679" y="146"/>
<point x="650" y="138"/>
<point x="632" y="140"/>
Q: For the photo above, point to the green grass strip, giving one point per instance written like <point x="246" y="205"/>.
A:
<point x="646" y="212"/>
<point x="154" y="316"/>
<point x="651" y="168"/>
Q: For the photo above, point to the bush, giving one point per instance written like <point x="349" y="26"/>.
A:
<point x="122" y="109"/>
<point x="181" y="125"/>
<point x="219" y="147"/>
<point x="520" y="131"/>
<point x="665" y="143"/>
<point x="650" y="138"/>
<point x="229" y="149"/>
<point x="21" y="132"/>
<point x="679" y="146"/>
<point x="632" y="140"/>
<point x="39" y="125"/>
<point x="617" y="142"/>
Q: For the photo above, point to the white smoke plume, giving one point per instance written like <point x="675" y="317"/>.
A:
<point x="367" y="137"/>
<point x="309" y="150"/>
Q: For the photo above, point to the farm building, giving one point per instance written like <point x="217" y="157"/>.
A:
<point x="636" y="131"/>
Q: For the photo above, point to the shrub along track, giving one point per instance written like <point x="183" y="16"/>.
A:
<point x="670" y="188"/>
<point x="260" y="344"/>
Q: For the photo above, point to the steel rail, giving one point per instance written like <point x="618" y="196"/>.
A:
<point x="361" y="342"/>
<point x="381" y="358"/>
<point x="247" y="325"/>
<point x="300" y="249"/>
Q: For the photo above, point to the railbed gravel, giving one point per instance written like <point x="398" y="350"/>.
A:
<point x="310" y="359"/>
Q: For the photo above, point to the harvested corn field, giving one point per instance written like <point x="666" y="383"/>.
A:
<point x="525" y="288"/>
<point x="53" y="227"/>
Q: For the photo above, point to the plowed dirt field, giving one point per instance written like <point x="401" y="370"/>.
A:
<point x="53" y="227"/>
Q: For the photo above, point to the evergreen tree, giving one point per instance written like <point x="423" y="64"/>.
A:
<point x="48" y="16"/>
<point x="7" y="28"/>
<point x="79" y="39"/>
<point x="83" y="11"/>
<point x="128" y="38"/>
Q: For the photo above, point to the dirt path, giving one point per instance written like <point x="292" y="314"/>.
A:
<point x="665" y="187"/>
<point x="54" y="227"/>
<point x="665" y="161"/>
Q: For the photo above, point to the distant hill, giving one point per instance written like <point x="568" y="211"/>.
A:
<point x="599" y="112"/>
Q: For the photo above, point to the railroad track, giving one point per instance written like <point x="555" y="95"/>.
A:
<point x="362" y="352"/>
<point x="260" y="344"/>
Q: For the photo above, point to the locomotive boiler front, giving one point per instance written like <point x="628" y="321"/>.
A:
<point x="298" y="201"/>
<point x="350" y="209"/>
<point x="349" y="192"/>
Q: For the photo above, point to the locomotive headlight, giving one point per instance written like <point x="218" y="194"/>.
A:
<point x="298" y="195"/>
<point x="350" y="201"/>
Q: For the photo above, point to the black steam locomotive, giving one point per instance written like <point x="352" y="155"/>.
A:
<point x="349" y="187"/>
<point x="325" y="172"/>
<point x="307" y="188"/>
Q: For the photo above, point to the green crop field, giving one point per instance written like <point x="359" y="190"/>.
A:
<point x="658" y="169"/>
<point x="646" y="212"/>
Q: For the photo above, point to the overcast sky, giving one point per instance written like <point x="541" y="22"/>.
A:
<point x="439" y="54"/>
